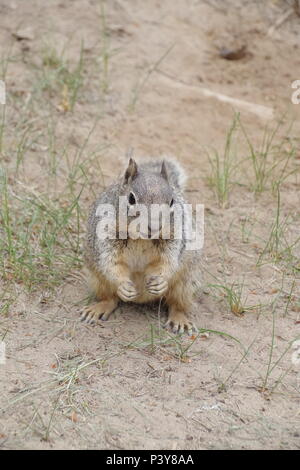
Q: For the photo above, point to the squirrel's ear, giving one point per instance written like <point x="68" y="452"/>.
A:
<point x="164" y="172"/>
<point x="131" y="171"/>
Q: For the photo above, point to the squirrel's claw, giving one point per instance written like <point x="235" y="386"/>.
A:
<point x="88" y="315"/>
<point x="180" y="326"/>
<point x="127" y="291"/>
<point x="100" y="310"/>
<point x="156" y="285"/>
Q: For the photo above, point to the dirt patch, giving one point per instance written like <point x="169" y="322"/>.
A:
<point x="84" y="83"/>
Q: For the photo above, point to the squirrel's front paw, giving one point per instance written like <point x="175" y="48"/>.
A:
<point x="127" y="291"/>
<point x="156" y="285"/>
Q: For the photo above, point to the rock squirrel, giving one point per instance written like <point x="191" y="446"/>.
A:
<point x="142" y="270"/>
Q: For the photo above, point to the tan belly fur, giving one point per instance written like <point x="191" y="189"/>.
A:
<point x="138" y="256"/>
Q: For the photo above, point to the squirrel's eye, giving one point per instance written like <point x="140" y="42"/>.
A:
<point x="131" y="199"/>
<point x="172" y="202"/>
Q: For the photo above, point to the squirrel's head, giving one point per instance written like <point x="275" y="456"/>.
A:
<point x="142" y="187"/>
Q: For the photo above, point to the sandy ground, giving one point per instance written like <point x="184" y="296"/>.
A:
<point x="126" y="384"/>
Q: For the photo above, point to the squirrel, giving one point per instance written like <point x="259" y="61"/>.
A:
<point x="136" y="269"/>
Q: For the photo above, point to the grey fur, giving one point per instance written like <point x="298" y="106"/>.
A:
<point x="155" y="181"/>
<point x="150" y="187"/>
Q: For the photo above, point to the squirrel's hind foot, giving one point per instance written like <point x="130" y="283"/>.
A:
<point x="98" y="311"/>
<point x="178" y="323"/>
